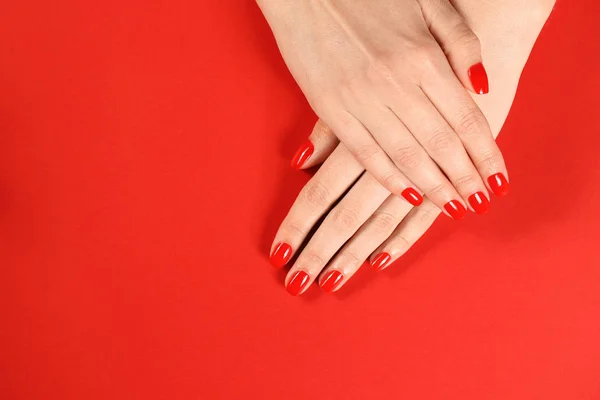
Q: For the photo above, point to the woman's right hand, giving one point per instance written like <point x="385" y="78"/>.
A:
<point x="388" y="77"/>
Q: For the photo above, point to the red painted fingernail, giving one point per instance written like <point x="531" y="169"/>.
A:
<point x="331" y="281"/>
<point x="381" y="261"/>
<point x="499" y="184"/>
<point x="281" y="255"/>
<point x="479" y="202"/>
<point x="297" y="283"/>
<point x="479" y="79"/>
<point x="412" y="196"/>
<point x="302" y="155"/>
<point x="455" y="209"/>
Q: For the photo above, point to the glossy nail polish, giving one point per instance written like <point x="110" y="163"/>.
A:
<point x="381" y="261"/>
<point x="479" y="79"/>
<point x="479" y="202"/>
<point x="302" y="155"/>
<point x="331" y="281"/>
<point x="297" y="283"/>
<point x="499" y="184"/>
<point x="281" y="255"/>
<point x="455" y="209"/>
<point x="412" y="196"/>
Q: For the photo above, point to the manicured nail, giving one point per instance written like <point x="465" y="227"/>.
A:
<point x="331" y="281"/>
<point x="281" y="255"/>
<point x="297" y="283"/>
<point x="302" y="155"/>
<point x="499" y="185"/>
<point x="381" y="261"/>
<point x="455" y="209"/>
<point x="479" y="202"/>
<point x="479" y="79"/>
<point x="412" y="196"/>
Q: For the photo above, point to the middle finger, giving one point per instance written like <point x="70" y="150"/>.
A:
<point x="340" y="224"/>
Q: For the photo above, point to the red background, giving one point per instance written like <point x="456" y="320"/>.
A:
<point x="144" y="149"/>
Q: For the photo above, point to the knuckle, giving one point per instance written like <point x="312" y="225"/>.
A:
<point x="352" y="259"/>
<point x="316" y="195"/>
<point x="426" y="50"/>
<point x="441" y="140"/>
<point x="471" y="123"/>
<point x="401" y="243"/>
<point x="427" y="56"/>
<point x="392" y="181"/>
<point x="366" y="153"/>
<point x="384" y="221"/>
<point x="381" y="69"/>
<point x="407" y="157"/>
<point x="296" y="229"/>
<point x="428" y="214"/>
<point x="435" y="190"/>
<point x="345" y="219"/>
<point x="490" y="162"/>
<point x="313" y="260"/>
<point x="468" y="181"/>
<point x="351" y="89"/>
<point x="465" y="37"/>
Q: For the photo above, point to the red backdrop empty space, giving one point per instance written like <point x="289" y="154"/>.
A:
<point x="144" y="151"/>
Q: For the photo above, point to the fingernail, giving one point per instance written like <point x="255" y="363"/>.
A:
<point x="455" y="209"/>
<point x="297" y="283"/>
<point x="412" y="196"/>
<point x="331" y="281"/>
<point x="302" y="155"/>
<point x="479" y="79"/>
<point x="381" y="261"/>
<point x="281" y="255"/>
<point x="479" y="202"/>
<point x="499" y="184"/>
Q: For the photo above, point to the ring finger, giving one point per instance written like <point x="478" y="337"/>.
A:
<point x="341" y="224"/>
<point x="370" y="235"/>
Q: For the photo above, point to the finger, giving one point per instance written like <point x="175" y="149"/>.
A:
<point x="339" y="225"/>
<point x="334" y="177"/>
<point x="445" y="147"/>
<point x="460" y="44"/>
<point x="320" y="144"/>
<point x="412" y="159"/>
<point x="370" y="235"/>
<point x="369" y="153"/>
<point x="466" y="119"/>
<point x="406" y="234"/>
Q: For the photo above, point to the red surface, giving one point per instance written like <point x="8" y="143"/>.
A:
<point x="144" y="168"/>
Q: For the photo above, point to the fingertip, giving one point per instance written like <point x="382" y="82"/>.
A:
<point x="332" y="281"/>
<point x="281" y="255"/>
<point x="298" y="283"/>
<point x="412" y="196"/>
<point x="381" y="261"/>
<point x="302" y="155"/>
<point x="479" y="79"/>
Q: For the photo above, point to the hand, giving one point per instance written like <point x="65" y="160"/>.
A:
<point x="383" y="76"/>
<point x="367" y="222"/>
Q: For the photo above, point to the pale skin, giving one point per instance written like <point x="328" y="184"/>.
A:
<point x="391" y="80"/>
<point x="369" y="220"/>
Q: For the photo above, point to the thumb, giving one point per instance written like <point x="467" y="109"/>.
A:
<point x="459" y="42"/>
<point x="320" y="144"/>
